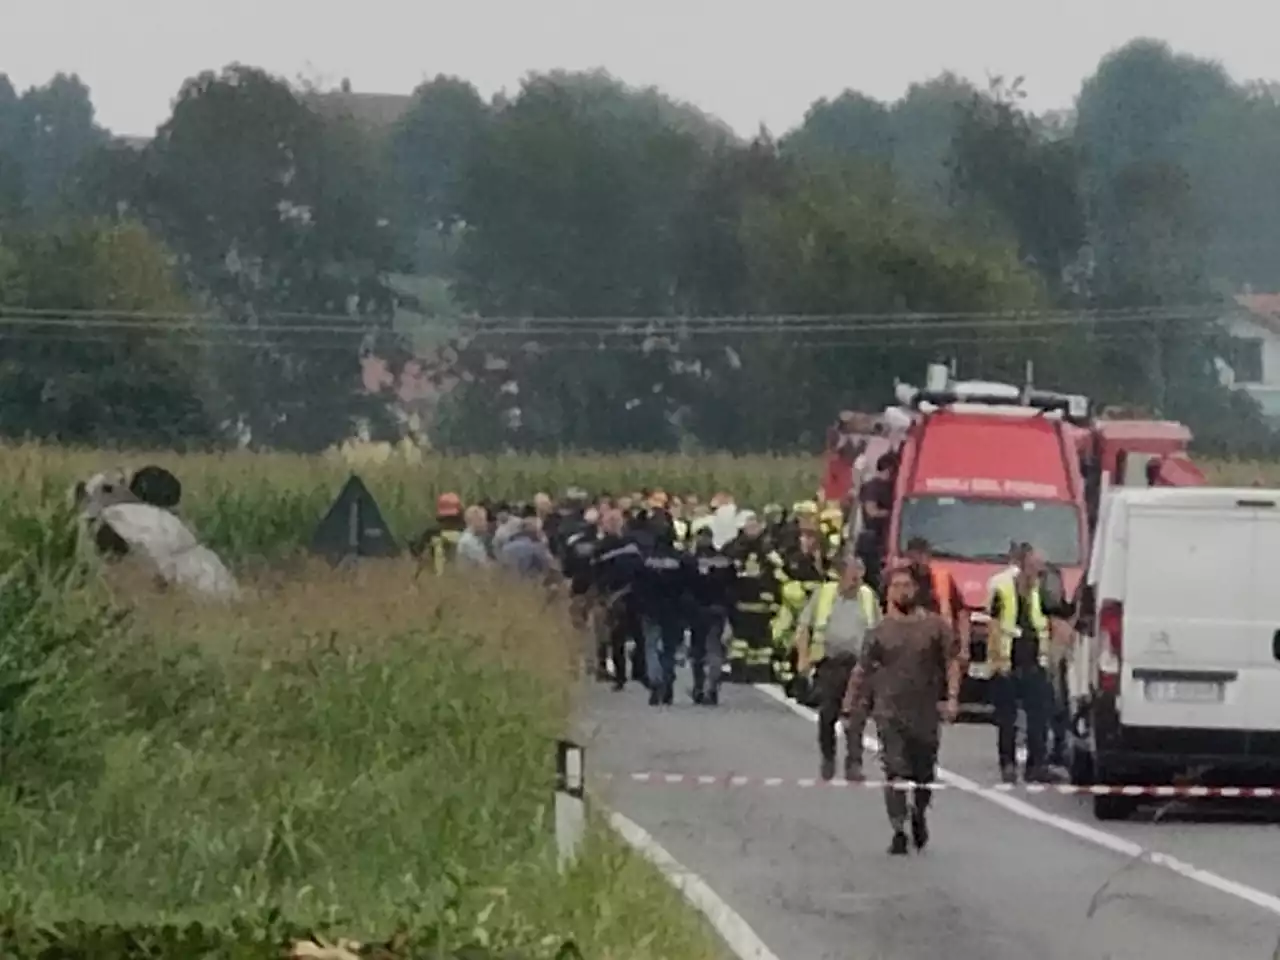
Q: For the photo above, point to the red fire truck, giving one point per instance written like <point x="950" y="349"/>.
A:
<point x="982" y="465"/>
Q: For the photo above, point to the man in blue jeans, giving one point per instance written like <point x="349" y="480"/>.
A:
<point x="661" y="595"/>
<point x="1018" y="649"/>
<point x="711" y="595"/>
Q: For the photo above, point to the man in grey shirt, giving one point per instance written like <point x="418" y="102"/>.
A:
<point x="829" y="636"/>
<point x="525" y="553"/>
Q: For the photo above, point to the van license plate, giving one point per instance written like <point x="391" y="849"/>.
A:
<point x="1183" y="691"/>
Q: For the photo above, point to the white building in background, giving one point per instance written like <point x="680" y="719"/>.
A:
<point x="1254" y="361"/>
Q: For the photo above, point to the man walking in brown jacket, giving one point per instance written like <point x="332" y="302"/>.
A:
<point x="905" y="661"/>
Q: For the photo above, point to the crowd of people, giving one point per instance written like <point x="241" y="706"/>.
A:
<point x="784" y="596"/>
<point x="648" y="571"/>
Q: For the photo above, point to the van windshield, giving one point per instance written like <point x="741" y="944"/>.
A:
<point x="981" y="529"/>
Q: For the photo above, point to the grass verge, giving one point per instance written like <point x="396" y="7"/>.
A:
<point x="346" y="754"/>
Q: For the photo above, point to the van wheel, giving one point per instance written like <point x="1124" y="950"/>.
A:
<point x="1113" y="808"/>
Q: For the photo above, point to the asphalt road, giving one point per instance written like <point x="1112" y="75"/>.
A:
<point x="1003" y="879"/>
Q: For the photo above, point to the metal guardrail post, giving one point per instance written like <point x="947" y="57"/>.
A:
<point x="571" y="806"/>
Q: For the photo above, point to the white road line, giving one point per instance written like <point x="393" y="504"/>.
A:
<point x="1075" y="828"/>
<point x="733" y="930"/>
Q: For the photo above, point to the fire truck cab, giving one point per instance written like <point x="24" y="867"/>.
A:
<point x="983" y="465"/>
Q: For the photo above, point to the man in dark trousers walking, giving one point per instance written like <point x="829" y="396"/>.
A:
<point x="660" y="593"/>
<point x="710" y="600"/>
<point x="904" y="663"/>
<point x="617" y="564"/>
<point x="1019" y="650"/>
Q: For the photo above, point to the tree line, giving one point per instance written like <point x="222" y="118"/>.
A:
<point x="583" y="264"/>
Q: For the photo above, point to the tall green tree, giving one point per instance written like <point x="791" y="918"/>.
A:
<point x="924" y="126"/>
<point x="59" y="131"/>
<point x="1232" y="158"/>
<point x="570" y="211"/>
<point x="713" y="273"/>
<point x="13" y="185"/>
<point x="841" y="241"/>
<point x="1135" y="116"/>
<point x="1008" y="172"/>
<point x="1136" y="121"/>
<point x="274" y="210"/>
<point x="431" y="150"/>
<point x="128" y="383"/>
<point x="851" y="125"/>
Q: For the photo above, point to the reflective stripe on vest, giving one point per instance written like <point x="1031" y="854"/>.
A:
<point x="1006" y="588"/>
<point x="445" y="548"/>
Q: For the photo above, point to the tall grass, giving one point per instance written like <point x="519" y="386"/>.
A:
<point x="252" y="505"/>
<point x="357" y="753"/>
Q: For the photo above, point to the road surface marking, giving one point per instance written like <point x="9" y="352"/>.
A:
<point x="733" y="930"/>
<point x="1161" y="791"/>
<point x="1075" y="828"/>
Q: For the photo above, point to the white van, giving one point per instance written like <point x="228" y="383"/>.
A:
<point x="1176" y="671"/>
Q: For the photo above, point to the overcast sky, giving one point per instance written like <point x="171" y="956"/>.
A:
<point x="747" y="67"/>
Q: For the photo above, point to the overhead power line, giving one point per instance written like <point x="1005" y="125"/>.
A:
<point x="575" y="346"/>
<point x="597" y="327"/>
<point x="275" y="319"/>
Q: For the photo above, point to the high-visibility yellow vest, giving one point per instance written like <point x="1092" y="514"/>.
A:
<point x="828" y="593"/>
<point x="1000" y="644"/>
<point x="444" y="548"/>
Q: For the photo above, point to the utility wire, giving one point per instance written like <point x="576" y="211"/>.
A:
<point x="308" y="322"/>
<point x="669" y="326"/>
<point x="656" y="344"/>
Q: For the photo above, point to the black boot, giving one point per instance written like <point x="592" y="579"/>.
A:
<point x="898" y="847"/>
<point x="919" y="829"/>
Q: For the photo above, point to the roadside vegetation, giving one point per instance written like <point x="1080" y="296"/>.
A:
<point x="363" y="755"/>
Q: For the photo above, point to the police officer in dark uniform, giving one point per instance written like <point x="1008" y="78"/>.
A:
<point x="711" y="595"/>
<point x="617" y="564"/>
<point x="575" y="548"/>
<point x="661" y="591"/>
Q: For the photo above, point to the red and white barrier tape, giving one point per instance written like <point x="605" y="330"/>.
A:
<point x="1064" y="789"/>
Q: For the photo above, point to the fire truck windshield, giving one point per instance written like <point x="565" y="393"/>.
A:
<point x="981" y="529"/>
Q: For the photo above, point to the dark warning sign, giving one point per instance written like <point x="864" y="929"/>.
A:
<point x="353" y="527"/>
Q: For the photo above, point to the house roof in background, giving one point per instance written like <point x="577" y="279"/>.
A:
<point x="1263" y="309"/>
